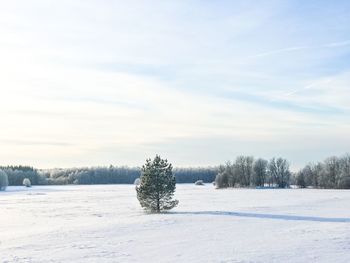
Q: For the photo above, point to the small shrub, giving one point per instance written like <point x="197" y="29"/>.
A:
<point x="27" y="183"/>
<point x="137" y="181"/>
<point x="344" y="183"/>
<point x="4" y="181"/>
<point x="221" y="180"/>
<point x="199" y="182"/>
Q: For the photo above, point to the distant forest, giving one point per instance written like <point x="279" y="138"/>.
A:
<point x="97" y="175"/>
<point x="244" y="171"/>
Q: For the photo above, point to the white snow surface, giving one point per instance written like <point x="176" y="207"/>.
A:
<point x="105" y="223"/>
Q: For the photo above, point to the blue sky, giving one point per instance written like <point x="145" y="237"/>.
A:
<point x="199" y="82"/>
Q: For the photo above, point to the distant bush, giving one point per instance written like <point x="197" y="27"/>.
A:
<point x="137" y="181"/>
<point x="4" y="182"/>
<point x="27" y="183"/>
<point x="199" y="182"/>
<point x="344" y="183"/>
<point x="222" y="178"/>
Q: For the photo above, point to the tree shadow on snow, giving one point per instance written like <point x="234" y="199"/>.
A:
<point x="267" y="216"/>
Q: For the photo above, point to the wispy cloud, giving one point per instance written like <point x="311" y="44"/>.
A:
<point x="338" y="44"/>
<point x="300" y="48"/>
<point x="278" y="51"/>
<point x="304" y="88"/>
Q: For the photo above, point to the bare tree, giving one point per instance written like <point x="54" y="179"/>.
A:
<point x="330" y="173"/>
<point x="260" y="172"/>
<point x="344" y="180"/>
<point x="244" y="169"/>
<point x="279" y="172"/>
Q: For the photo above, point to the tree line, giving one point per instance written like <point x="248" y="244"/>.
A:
<point x="245" y="171"/>
<point x="16" y="174"/>
<point x="97" y="175"/>
<point x="334" y="172"/>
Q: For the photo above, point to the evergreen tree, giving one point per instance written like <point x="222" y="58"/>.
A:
<point x="157" y="185"/>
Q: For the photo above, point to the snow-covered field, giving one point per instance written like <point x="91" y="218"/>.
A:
<point x="106" y="224"/>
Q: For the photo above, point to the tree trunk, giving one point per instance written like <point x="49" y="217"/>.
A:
<point x="158" y="206"/>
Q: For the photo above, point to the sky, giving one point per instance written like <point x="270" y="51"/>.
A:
<point x="90" y="83"/>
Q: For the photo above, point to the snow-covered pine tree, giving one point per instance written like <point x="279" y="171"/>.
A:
<point x="156" y="191"/>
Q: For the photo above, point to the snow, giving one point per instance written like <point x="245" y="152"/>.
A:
<point x="105" y="223"/>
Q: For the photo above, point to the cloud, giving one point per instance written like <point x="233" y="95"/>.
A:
<point x="278" y="51"/>
<point x="338" y="44"/>
<point x="33" y="143"/>
<point x="301" y="48"/>
<point x="91" y="82"/>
